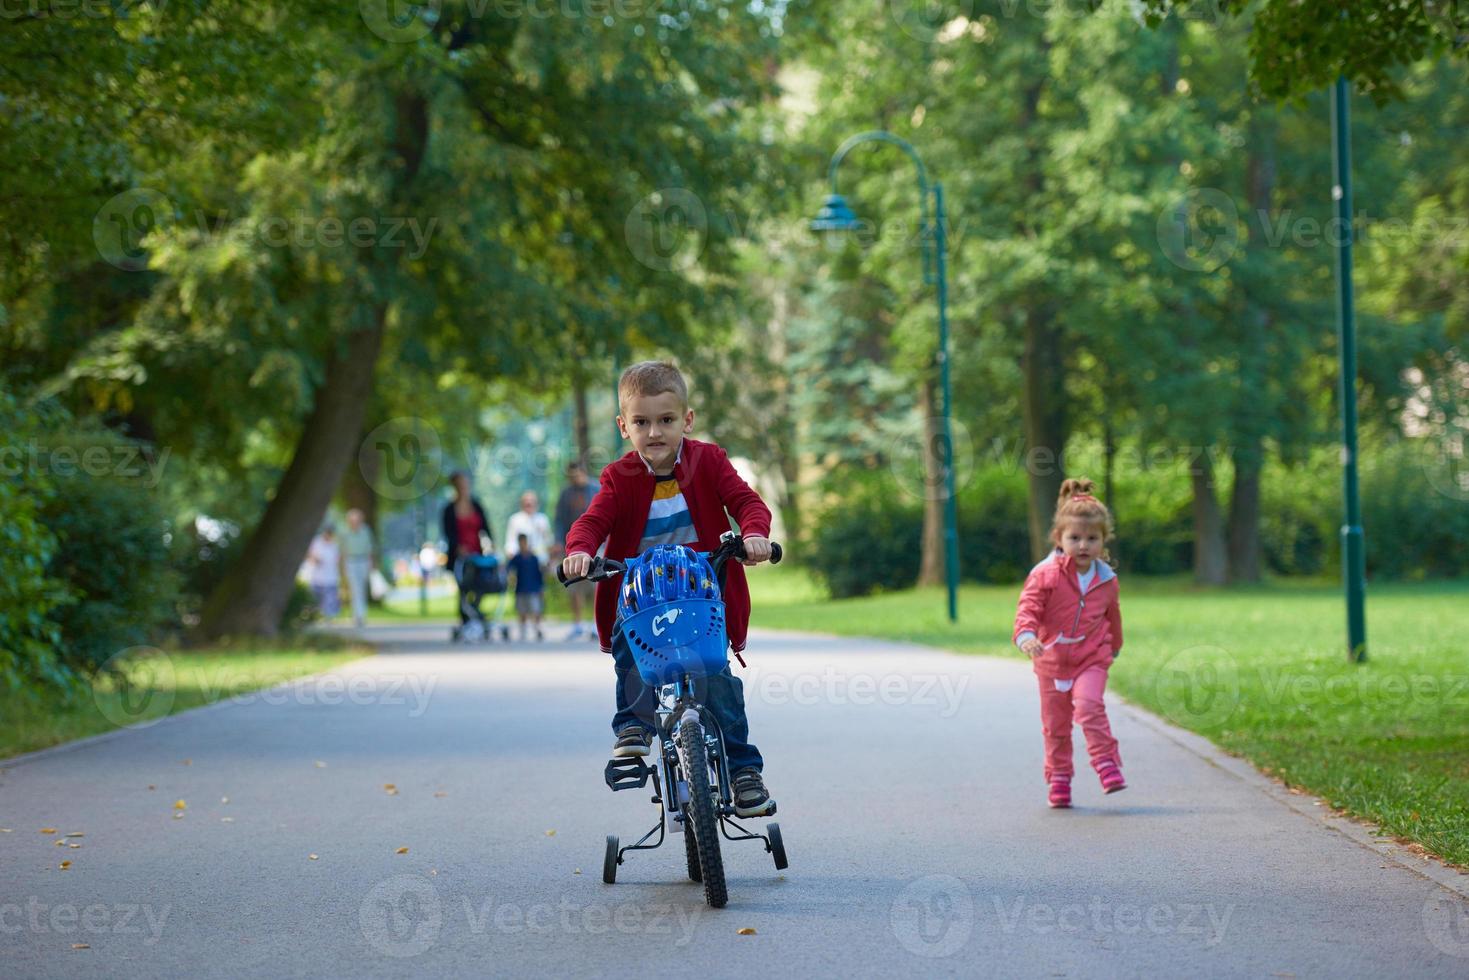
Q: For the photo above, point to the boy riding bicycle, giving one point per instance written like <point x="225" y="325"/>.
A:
<point x="672" y="490"/>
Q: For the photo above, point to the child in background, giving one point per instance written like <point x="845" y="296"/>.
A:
<point x="530" y="586"/>
<point x="1070" y="624"/>
<point x="324" y="556"/>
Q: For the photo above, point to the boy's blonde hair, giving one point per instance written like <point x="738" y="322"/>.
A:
<point x="647" y="378"/>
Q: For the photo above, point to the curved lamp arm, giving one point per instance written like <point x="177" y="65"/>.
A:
<point x="883" y="136"/>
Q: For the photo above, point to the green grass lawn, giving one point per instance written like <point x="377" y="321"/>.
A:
<point x="1262" y="672"/>
<point x="162" y="685"/>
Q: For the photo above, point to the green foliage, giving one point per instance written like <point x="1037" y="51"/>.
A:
<point x="994" y="541"/>
<point x="111" y="552"/>
<point x="29" y="593"/>
<point x="1416" y="523"/>
<point x="1298" y="46"/>
<point x="866" y="543"/>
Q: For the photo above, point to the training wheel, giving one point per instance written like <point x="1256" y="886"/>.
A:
<point x="609" y="861"/>
<point x="777" y="846"/>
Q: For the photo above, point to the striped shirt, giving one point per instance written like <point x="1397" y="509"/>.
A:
<point x="669" y="520"/>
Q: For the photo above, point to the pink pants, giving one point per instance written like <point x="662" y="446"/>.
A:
<point x="1082" y="704"/>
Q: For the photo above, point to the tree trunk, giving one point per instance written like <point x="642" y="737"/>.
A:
<point x="253" y="596"/>
<point x="1209" y="552"/>
<point x="1043" y="407"/>
<point x="1254" y="369"/>
<point x="1244" y="517"/>
<point x="357" y="483"/>
<point x="931" y="562"/>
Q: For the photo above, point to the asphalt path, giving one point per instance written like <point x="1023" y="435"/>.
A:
<point x="910" y="798"/>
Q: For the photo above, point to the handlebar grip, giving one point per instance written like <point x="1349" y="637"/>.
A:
<point x="561" y="574"/>
<point x="775" y="553"/>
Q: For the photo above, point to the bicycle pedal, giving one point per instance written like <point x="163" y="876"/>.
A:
<point x="627" y="773"/>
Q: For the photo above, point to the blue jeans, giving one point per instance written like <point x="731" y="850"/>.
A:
<point x="722" y="694"/>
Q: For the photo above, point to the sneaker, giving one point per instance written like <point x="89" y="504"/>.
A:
<point x="1111" y="775"/>
<point x="1060" y="795"/>
<point x="540" y="635"/>
<point x="633" y="740"/>
<point x="751" y="798"/>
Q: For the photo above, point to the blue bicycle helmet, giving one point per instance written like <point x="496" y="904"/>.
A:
<point x="667" y="573"/>
<point x="670" y="612"/>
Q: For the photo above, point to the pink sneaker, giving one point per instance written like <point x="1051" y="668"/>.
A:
<point x="1060" y="796"/>
<point x="1111" y="776"/>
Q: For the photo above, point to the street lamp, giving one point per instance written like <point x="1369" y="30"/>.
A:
<point x="837" y="216"/>
<point x="1353" y="555"/>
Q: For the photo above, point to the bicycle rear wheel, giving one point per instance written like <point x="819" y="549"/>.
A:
<point x="700" y="817"/>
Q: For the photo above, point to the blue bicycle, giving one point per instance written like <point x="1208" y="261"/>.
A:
<point x="673" y="620"/>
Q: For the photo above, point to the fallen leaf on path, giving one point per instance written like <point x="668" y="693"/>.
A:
<point x="178" y="816"/>
<point x="224" y="799"/>
<point x="312" y="856"/>
<point x="80" y="946"/>
<point x="4" y="830"/>
<point x="577" y="871"/>
<point x="60" y="843"/>
<point x="747" y="931"/>
<point x="401" y="850"/>
<point x="65" y="865"/>
<point x="226" y="819"/>
<point x="441" y="794"/>
<point x="389" y="786"/>
<point x="76" y="833"/>
<point x="181" y="805"/>
<point x="435" y="872"/>
<point x="550" y="833"/>
<point x="151" y="786"/>
<point x="48" y="830"/>
<point x="73" y="846"/>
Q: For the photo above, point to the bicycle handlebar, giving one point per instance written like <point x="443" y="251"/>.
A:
<point x="731" y="545"/>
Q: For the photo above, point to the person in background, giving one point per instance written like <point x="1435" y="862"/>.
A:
<point x="466" y="528"/>
<point x="325" y="576"/>
<point x="358" y="551"/>
<point x="530" y="522"/>
<point x="530" y="586"/>
<point x="575" y="498"/>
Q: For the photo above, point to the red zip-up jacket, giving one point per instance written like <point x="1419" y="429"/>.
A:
<point x="710" y="486"/>
<point x="1076" y="631"/>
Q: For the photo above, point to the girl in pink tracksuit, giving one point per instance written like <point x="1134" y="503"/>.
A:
<point x="1070" y="624"/>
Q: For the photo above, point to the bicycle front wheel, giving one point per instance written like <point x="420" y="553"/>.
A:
<point x="700" y="817"/>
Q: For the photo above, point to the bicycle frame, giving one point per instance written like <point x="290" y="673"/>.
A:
<point x="675" y="701"/>
<point x="678" y="702"/>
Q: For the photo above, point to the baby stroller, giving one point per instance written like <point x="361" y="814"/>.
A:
<point x="479" y="576"/>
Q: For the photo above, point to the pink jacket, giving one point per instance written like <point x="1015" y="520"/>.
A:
<point x="1076" y="631"/>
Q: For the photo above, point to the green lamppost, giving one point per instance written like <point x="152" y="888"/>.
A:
<point x="836" y="216"/>
<point x="1353" y="554"/>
